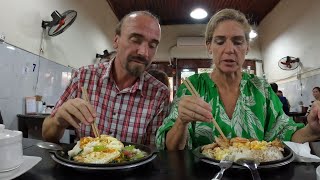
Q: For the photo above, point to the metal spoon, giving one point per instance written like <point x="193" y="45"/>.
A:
<point x="252" y="165"/>
<point x="224" y="165"/>
<point x="49" y="145"/>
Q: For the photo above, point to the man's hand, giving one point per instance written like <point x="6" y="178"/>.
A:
<point x="74" y="111"/>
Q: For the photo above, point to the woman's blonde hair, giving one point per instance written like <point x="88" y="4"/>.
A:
<point x="224" y="15"/>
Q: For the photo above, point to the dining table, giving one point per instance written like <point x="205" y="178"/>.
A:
<point x="167" y="165"/>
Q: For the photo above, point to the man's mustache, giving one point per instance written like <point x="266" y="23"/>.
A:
<point x="139" y="58"/>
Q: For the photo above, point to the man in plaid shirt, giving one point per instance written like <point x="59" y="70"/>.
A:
<point x="125" y="101"/>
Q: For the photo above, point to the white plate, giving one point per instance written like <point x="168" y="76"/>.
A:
<point x="28" y="163"/>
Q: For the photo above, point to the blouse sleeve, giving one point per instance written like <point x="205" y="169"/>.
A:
<point x="278" y="124"/>
<point x="169" y="121"/>
<point x="162" y="111"/>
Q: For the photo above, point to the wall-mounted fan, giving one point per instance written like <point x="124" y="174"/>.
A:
<point x="60" y="22"/>
<point x="289" y="63"/>
<point x="104" y="55"/>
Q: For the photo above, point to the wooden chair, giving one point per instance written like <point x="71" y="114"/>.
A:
<point x="300" y="119"/>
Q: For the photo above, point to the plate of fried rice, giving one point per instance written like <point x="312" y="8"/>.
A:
<point x="103" y="153"/>
<point x="268" y="154"/>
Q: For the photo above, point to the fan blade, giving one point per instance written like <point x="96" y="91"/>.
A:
<point x="285" y="63"/>
<point x="61" y="23"/>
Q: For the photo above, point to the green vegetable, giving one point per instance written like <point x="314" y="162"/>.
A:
<point x="129" y="148"/>
<point x="99" y="148"/>
<point x="139" y="155"/>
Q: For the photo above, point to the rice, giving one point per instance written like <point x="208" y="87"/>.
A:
<point x="260" y="151"/>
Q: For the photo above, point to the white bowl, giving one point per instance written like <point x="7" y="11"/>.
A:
<point x="11" y="155"/>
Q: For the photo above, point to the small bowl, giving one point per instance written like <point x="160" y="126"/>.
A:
<point x="11" y="155"/>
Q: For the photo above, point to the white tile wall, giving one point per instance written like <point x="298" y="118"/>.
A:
<point x="296" y="91"/>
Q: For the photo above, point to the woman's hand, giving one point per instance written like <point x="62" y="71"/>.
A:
<point x="314" y="118"/>
<point x="192" y="108"/>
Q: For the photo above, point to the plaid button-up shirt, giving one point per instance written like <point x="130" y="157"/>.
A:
<point x="131" y="115"/>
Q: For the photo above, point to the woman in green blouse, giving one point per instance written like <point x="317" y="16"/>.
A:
<point x="243" y="105"/>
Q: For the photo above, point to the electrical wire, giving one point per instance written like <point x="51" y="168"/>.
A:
<point x="39" y="56"/>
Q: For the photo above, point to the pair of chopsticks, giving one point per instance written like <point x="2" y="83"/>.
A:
<point x="195" y="93"/>
<point x="93" y="125"/>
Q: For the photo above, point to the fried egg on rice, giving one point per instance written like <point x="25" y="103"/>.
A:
<point x="102" y="150"/>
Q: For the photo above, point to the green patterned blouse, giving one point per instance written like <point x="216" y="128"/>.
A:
<point x="258" y="113"/>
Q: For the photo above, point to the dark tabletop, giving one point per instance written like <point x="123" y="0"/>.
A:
<point x="33" y="116"/>
<point x="167" y="165"/>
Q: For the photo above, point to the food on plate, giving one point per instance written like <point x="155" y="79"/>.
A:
<point x="242" y="148"/>
<point x="104" y="149"/>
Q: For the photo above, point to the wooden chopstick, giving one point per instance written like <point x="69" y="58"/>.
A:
<point x="190" y="87"/>
<point x="193" y="91"/>
<point x="93" y="125"/>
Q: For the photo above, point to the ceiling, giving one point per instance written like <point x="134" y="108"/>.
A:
<point x="173" y="12"/>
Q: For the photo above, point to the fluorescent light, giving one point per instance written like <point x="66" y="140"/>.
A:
<point x="198" y="13"/>
<point x="11" y="47"/>
<point x="252" y="34"/>
<point x="185" y="70"/>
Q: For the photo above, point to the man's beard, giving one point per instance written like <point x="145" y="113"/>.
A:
<point x="134" y="68"/>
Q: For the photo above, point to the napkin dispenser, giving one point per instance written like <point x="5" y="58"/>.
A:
<point x="11" y="155"/>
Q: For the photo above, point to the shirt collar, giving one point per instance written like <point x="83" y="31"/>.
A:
<point x="109" y="67"/>
<point x="138" y="85"/>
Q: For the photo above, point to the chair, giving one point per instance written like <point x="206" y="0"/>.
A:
<point x="301" y="119"/>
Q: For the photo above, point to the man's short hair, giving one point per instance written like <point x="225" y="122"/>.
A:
<point x="119" y="25"/>
<point x="160" y="75"/>
<point x="274" y="87"/>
